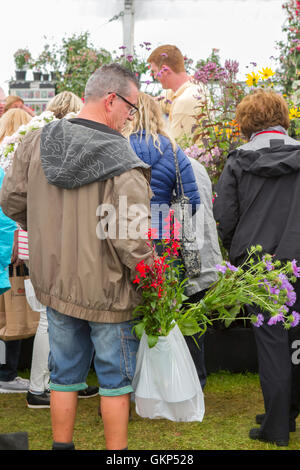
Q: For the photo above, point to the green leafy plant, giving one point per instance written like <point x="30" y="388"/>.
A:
<point x="45" y="60"/>
<point x="289" y="48"/>
<point x="260" y="281"/>
<point x="137" y="61"/>
<point x="77" y="60"/>
<point x="215" y="132"/>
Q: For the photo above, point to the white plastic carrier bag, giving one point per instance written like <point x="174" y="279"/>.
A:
<point x="31" y="297"/>
<point x="166" y="383"/>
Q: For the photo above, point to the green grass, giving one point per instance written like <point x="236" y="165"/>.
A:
<point x="231" y="400"/>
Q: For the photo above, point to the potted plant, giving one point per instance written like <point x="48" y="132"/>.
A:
<point x="37" y="75"/>
<point x="45" y="76"/>
<point x="48" y="60"/>
<point x="41" y="64"/>
<point x="55" y="76"/>
<point x="22" y="59"/>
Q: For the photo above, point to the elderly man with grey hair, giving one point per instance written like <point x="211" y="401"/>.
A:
<point x="64" y="179"/>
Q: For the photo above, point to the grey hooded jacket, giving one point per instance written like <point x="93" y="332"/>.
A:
<point x="73" y="155"/>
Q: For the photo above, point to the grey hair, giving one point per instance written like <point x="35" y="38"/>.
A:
<point x="110" y="78"/>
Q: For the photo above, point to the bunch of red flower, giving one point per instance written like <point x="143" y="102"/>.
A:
<point x="154" y="275"/>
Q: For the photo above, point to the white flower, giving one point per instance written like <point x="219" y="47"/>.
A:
<point x="10" y="139"/>
<point x="10" y="143"/>
<point x="47" y="115"/>
<point x="37" y="122"/>
<point x="71" y="115"/>
<point x="22" y="128"/>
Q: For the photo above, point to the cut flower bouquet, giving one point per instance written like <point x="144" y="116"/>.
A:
<point x="166" y="382"/>
<point x="260" y="281"/>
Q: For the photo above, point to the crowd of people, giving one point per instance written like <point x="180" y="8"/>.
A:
<point x="122" y="143"/>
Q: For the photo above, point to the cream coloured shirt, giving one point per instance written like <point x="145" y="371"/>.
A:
<point x="182" y="106"/>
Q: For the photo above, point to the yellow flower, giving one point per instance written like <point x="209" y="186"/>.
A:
<point x="252" y="79"/>
<point x="228" y="132"/>
<point x="218" y="131"/>
<point x="294" y="113"/>
<point x="266" y="73"/>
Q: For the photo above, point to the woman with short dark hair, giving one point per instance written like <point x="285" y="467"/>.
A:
<point x="261" y="110"/>
<point x="257" y="202"/>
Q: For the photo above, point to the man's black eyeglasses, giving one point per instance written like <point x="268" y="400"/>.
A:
<point x="133" y="110"/>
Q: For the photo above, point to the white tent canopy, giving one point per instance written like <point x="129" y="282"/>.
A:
<point x="244" y="30"/>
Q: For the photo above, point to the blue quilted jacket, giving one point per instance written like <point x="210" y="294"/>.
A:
<point x="7" y="229"/>
<point x="163" y="175"/>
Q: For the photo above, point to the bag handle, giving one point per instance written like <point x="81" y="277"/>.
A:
<point x="14" y="270"/>
<point x="22" y="269"/>
<point x="178" y="175"/>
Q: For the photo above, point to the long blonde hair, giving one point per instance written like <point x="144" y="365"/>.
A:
<point x="12" y="120"/>
<point x="149" y="119"/>
<point x="64" y="103"/>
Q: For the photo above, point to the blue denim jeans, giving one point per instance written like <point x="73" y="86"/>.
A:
<point x="73" y="343"/>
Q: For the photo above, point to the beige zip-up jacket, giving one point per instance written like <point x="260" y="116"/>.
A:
<point x="71" y="269"/>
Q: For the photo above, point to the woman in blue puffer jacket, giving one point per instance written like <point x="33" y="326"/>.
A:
<point x="151" y="143"/>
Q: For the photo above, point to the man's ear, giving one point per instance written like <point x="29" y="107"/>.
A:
<point x="108" y="103"/>
<point x="166" y="69"/>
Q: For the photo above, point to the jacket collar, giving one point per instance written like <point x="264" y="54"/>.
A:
<point x="275" y="128"/>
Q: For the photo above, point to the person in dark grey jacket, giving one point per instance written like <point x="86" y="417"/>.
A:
<point x="208" y="244"/>
<point x="257" y="202"/>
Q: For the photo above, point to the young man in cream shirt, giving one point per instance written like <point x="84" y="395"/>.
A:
<point x="183" y="97"/>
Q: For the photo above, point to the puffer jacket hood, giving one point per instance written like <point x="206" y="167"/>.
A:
<point x="71" y="158"/>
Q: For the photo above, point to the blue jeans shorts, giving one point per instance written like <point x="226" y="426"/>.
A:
<point x="73" y="343"/>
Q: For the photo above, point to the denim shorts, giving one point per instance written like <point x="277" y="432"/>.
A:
<point x="73" y="343"/>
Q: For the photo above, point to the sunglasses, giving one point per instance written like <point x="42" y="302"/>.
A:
<point x="133" y="109"/>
